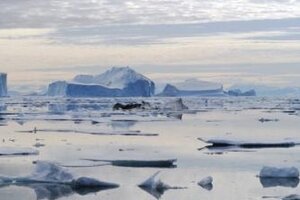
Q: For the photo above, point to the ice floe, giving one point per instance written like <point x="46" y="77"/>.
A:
<point x="139" y="163"/>
<point x="99" y="133"/>
<point x="51" y="173"/>
<point x="267" y="182"/>
<point x="220" y="142"/>
<point x="292" y="197"/>
<point x="17" y="151"/>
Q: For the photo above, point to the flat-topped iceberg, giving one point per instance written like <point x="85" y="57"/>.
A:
<point x="193" y="87"/>
<point x="3" y="84"/>
<point x="116" y="82"/>
<point x="238" y="93"/>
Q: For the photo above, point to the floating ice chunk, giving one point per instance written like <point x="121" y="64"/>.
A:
<point x="139" y="163"/>
<point x="84" y="182"/>
<point x="206" y="183"/>
<point x="219" y="142"/>
<point x="5" y="180"/>
<point x="292" y="197"/>
<point x="51" y="173"/>
<point x="176" y="105"/>
<point x="154" y="186"/>
<point x="274" y="172"/>
<point x="50" y="181"/>
<point x="262" y="120"/>
<point x="282" y="182"/>
<point x="17" y="151"/>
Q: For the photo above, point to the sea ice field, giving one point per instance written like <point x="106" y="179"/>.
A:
<point x="224" y="141"/>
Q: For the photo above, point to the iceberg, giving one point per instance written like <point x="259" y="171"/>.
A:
<point x="116" y="82"/>
<point x="3" y="85"/>
<point x="193" y="87"/>
<point x="239" y="93"/>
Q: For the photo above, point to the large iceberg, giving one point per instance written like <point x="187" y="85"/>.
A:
<point x="3" y="84"/>
<point x="116" y="82"/>
<point x="193" y="87"/>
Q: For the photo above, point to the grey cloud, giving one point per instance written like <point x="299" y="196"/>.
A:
<point x="78" y="13"/>
<point x="161" y="33"/>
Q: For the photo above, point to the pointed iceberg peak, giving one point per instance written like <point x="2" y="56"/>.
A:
<point x="3" y="84"/>
<point x="115" y="82"/>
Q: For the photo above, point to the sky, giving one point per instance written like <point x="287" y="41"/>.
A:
<point x="232" y="41"/>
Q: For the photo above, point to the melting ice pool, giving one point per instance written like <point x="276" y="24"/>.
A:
<point x="67" y="141"/>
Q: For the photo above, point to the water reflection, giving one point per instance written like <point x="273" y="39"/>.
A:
<point x="155" y="192"/>
<point x="122" y="124"/>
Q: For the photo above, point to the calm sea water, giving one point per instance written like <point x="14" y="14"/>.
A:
<point x="70" y="130"/>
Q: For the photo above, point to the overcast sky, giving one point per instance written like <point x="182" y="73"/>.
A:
<point x="232" y="41"/>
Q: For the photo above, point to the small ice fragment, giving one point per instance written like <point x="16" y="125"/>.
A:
<point x="206" y="183"/>
<point x="288" y="172"/>
<point x="154" y="186"/>
<point x="83" y="182"/>
<point x="292" y="197"/>
<point x="17" y="151"/>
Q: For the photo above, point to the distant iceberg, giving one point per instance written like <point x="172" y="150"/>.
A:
<point x="193" y="87"/>
<point x="238" y="93"/>
<point x="116" y="82"/>
<point x="3" y="84"/>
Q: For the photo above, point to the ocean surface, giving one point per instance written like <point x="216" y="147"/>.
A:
<point x="69" y="131"/>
